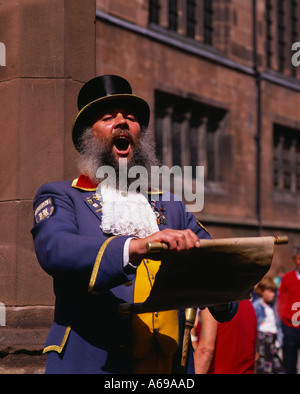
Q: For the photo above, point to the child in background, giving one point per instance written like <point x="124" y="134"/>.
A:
<point x="269" y="329"/>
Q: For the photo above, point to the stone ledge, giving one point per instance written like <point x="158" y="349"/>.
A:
<point x="21" y="350"/>
<point x="22" y="363"/>
<point x="14" y="340"/>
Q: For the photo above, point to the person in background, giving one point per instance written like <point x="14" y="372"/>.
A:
<point x="278" y="277"/>
<point x="268" y="327"/>
<point x="225" y="348"/>
<point x="288" y="307"/>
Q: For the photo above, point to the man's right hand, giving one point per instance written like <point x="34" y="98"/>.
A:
<point x="178" y="241"/>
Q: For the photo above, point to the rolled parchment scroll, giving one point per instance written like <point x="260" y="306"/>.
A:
<point x="220" y="271"/>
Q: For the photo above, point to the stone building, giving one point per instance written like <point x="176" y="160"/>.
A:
<point x="223" y="83"/>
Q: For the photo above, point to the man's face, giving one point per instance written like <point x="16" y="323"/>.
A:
<point x="297" y="261"/>
<point x="119" y="130"/>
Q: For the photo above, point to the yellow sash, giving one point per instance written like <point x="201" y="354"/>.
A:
<point x="155" y="335"/>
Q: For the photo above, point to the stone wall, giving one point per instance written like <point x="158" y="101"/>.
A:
<point x="50" y="52"/>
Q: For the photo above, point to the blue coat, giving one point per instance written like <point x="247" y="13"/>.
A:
<point x="88" y="334"/>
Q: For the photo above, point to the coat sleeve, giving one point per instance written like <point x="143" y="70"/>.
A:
<point x="63" y="252"/>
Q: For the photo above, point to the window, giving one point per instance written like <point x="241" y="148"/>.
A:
<point x="281" y="32"/>
<point x="286" y="164"/>
<point x="208" y="21"/>
<point x="154" y="9"/>
<point x="189" y="18"/>
<point x="173" y="15"/>
<point x="191" y="21"/>
<point x="189" y="133"/>
<point x="269" y="37"/>
<point x="294" y="27"/>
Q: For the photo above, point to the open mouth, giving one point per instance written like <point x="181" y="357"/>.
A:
<point x="122" y="145"/>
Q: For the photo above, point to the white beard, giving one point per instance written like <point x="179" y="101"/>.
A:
<point x="126" y="213"/>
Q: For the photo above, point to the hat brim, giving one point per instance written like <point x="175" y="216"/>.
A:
<point x="88" y="114"/>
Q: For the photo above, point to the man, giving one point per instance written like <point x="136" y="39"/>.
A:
<point x="226" y="348"/>
<point x="288" y="304"/>
<point x="92" y="239"/>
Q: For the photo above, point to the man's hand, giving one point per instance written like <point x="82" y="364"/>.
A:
<point x="179" y="241"/>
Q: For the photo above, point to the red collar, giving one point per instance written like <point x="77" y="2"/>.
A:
<point x="84" y="183"/>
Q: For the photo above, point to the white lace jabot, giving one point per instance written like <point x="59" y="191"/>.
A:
<point x="126" y="213"/>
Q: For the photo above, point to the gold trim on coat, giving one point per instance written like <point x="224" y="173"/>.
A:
<point x="97" y="265"/>
<point x="56" y="348"/>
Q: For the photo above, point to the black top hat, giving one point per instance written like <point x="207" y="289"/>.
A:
<point x="101" y="92"/>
